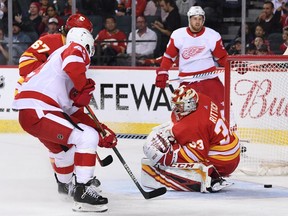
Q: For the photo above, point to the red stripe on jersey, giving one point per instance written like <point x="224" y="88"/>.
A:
<point x="84" y="159"/>
<point x="37" y="96"/>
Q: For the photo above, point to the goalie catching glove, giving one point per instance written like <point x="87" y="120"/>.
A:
<point x="82" y="98"/>
<point x="109" y="140"/>
<point x="161" y="148"/>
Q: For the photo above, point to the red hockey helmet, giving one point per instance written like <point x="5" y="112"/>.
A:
<point x="78" y="20"/>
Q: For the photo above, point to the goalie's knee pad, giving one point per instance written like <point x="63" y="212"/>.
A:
<point x="87" y="140"/>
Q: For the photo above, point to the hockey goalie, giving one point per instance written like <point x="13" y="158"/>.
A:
<point x="194" y="151"/>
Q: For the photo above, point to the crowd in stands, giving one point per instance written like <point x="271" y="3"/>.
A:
<point x="156" y="20"/>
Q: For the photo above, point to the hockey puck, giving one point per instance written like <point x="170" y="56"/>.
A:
<point x="268" y="186"/>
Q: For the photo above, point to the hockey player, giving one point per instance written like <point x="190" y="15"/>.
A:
<point x="193" y="151"/>
<point x="41" y="49"/>
<point x="197" y="46"/>
<point x="50" y="105"/>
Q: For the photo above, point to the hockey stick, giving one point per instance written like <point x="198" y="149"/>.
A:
<point x="180" y="79"/>
<point x="147" y="195"/>
<point x="106" y="161"/>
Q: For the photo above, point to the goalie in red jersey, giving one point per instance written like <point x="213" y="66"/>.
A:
<point x="195" y="150"/>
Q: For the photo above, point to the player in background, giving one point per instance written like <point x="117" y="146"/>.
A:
<point x="50" y="104"/>
<point x="197" y="47"/>
<point x="194" y="150"/>
<point x="41" y="49"/>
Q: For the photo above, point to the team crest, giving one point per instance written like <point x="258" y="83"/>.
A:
<point x="192" y="51"/>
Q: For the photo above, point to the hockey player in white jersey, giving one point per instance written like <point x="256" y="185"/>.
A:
<point x="50" y="105"/>
<point x="198" y="47"/>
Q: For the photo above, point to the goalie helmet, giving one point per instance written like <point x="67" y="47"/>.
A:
<point x="78" y="20"/>
<point x="195" y="11"/>
<point x="81" y="36"/>
<point x="184" y="101"/>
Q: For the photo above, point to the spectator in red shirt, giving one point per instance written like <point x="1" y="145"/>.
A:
<point x="111" y="42"/>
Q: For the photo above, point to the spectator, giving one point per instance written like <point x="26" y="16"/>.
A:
<point x="281" y="6"/>
<point x="284" y="45"/>
<point x="235" y="49"/>
<point x="52" y="27"/>
<point x="172" y="22"/>
<point x="111" y="42"/>
<point x="4" y="55"/>
<point x="51" y="13"/>
<point x="21" y="41"/>
<point x="43" y="7"/>
<point x="3" y="9"/>
<point x="259" y="32"/>
<point x="271" y="22"/>
<point x="124" y="7"/>
<point x="184" y="6"/>
<point x="262" y="50"/>
<point x="250" y="49"/>
<point x="153" y="9"/>
<point x="258" y="42"/>
<point x="32" y="22"/>
<point x="143" y="49"/>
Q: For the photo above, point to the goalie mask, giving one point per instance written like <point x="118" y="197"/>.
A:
<point x="82" y="36"/>
<point x="195" y="11"/>
<point x="184" y="101"/>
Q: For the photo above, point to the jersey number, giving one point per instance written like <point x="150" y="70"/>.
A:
<point x="221" y="127"/>
<point x="40" y="46"/>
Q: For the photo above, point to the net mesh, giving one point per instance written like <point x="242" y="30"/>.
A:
<point x="258" y="93"/>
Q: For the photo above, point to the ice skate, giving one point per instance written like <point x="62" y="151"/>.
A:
<point x="218" y="184"/>
<point x="87" y="198"/>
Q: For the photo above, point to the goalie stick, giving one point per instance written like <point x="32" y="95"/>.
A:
<point x="147" y="195"/>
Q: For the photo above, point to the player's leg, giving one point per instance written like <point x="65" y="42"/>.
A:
<point x="55" y="127"/>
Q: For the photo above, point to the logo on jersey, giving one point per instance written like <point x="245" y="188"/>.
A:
<point x="192" y="51"/>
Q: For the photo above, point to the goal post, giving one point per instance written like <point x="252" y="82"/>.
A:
<point x="256" y="98"/>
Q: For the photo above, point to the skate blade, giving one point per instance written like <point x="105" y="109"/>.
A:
<point x="84" y="207"/>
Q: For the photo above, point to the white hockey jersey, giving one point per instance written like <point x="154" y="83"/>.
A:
<point x="48" y="87"/>
<point x="197" y="52"/>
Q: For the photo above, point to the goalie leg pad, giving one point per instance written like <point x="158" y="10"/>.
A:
<point x="185" y="177"/>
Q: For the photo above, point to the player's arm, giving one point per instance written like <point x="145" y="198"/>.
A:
<point x="168" y="59"/>
<point x="220" y="54"/>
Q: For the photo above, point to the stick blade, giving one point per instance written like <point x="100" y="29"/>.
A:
<point x="155" y="193"/>
<point x="106" y="161"/>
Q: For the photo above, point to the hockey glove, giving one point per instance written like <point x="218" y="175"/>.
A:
<point x="81" y="99"/>
<point x="161" y="78"/>
<point x="109" y="140"/>
<point x="160" y="149"/>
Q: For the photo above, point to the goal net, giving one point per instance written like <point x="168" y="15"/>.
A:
<point x="257" y="88"/>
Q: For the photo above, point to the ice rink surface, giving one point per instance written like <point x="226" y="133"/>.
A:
<point x="28" y="187"/>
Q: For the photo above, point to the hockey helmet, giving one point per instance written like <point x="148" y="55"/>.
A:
<point x="195" y="11"/>
<point x="81" y="36"/>
<point x="78" y="20"/>
<point x="184" y="101"/>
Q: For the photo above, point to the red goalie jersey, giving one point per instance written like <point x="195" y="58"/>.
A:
<point x="205" y="137"/>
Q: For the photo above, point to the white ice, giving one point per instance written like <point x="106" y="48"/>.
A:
<point x="28" y="187"/>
